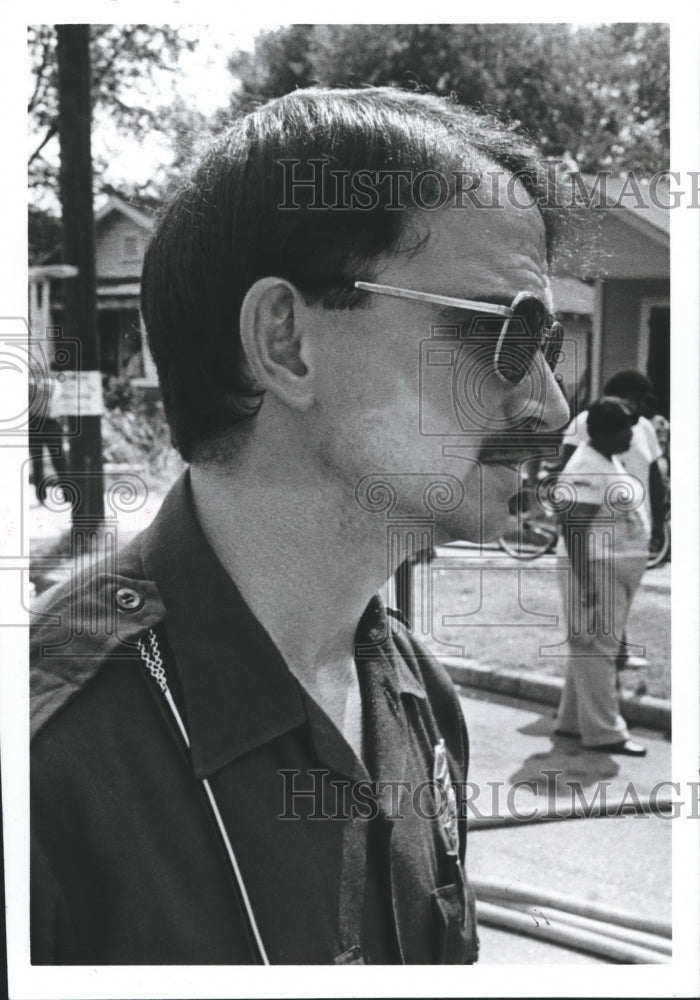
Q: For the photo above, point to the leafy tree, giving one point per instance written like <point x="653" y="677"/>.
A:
<point x="281" y="63"/>
<point x="123" y="57"/>
<point x="628" y="83"/>
<point x="595" y="95"/>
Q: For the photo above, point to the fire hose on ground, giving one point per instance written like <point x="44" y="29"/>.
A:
<point x="556" y="811"/>
<point x="611" y="934"/>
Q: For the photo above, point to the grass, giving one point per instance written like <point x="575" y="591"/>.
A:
<point x="511" y="617"/>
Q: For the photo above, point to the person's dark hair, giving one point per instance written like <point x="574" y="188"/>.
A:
<point x="225" y="229"/>
<point x="628" y="384"/>
<point x="608" y="415"/>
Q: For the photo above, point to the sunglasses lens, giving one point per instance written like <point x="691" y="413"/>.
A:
<point x="520" y="339"/>
<point x="552" y="345"/>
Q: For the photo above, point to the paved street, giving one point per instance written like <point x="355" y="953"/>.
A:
<point x="622" y="862"/>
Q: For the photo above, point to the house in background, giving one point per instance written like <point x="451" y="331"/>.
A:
<point x="630" y="323"/>
<point x="121" y="235"/>
<point x="574" y="306"/>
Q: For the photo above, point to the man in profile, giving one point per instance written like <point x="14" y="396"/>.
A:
<point x="252" y="761"/>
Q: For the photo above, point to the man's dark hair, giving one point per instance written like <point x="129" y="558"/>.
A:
<point x="608" y="415"/>
<point x="628" y="384"/>
<point x="226" y="229"/>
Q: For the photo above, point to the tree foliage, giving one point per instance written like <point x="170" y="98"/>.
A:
<point x="597" y="95"/>
<point x="123" y="58"/>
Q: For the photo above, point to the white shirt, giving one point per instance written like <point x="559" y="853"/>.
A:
<point x="596" y="479"/>
<point x="643" y="450"/>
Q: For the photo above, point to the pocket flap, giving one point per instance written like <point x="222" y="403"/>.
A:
<point x="459" y="943"/>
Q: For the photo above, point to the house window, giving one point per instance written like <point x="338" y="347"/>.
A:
<point x="130" y="248"/>
<point x="120" y="343"/>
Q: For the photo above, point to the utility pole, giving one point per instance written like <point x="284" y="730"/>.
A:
<point x="80" y="311"/>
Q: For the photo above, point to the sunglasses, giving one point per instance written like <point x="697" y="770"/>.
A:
<point x="521" y="329"/>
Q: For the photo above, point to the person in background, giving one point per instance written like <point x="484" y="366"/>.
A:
<point x="641" y="459"/>
<point x="607" y="536"/>
<point x="662" y="428"/>
<point x="45" y="431"/>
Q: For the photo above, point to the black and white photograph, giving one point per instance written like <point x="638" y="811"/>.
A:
<point x="346" y="367"/>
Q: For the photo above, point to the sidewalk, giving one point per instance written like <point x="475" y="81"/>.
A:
<point x="620" y="860"/>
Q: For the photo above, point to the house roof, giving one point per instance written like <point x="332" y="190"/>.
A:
<point x="640" y="202"/>
<point x="116" y="204"/>
<point x="623" y="232"/>
<point x="571" y="295"/>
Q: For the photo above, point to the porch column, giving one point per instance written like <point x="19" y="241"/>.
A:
<point x="597" y="338"/>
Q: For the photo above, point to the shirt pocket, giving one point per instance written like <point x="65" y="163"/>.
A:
<point x="458" y="943"/>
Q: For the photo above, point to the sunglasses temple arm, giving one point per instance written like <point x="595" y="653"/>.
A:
<point x="488" y="308"/>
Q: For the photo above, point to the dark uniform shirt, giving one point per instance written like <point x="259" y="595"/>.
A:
<point x="342" y="860"/>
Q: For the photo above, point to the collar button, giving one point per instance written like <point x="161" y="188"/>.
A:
<point x="128" y="599"/>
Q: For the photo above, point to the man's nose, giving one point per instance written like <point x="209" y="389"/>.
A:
<point x="537" y="402"/>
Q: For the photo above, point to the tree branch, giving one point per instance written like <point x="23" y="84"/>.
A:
<point x="50" y="133"/>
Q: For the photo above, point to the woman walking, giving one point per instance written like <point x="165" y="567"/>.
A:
<point x="607" y="538"/>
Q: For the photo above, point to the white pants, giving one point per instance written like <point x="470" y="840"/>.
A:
<point x="597" y="618"/>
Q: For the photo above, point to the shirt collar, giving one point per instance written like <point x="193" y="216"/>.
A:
<point x="238" y="691"/>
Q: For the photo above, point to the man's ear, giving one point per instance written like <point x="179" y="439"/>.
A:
<point x="275" y="339"/>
